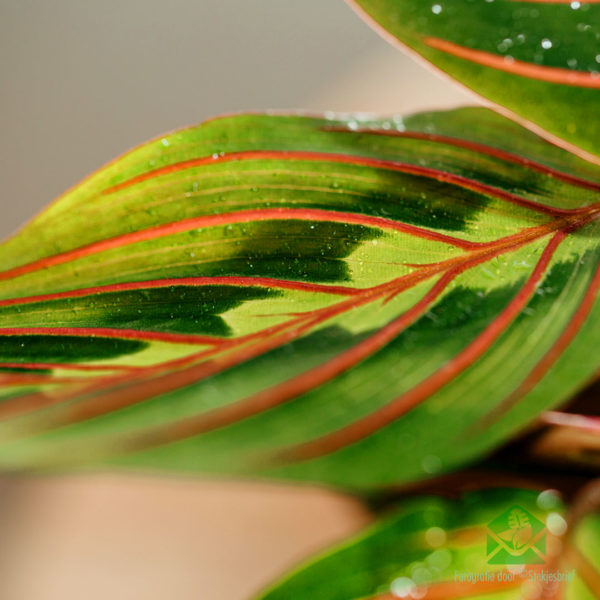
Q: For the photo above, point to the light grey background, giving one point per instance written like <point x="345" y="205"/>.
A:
<point x="82" y="81"/>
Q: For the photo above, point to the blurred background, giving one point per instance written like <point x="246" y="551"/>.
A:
<point x="83" y="81"/>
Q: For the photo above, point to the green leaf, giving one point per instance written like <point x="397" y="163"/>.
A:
<point x="437" y="549"/>
<point x="537" y="58"/>
<point x="360" y="303"/>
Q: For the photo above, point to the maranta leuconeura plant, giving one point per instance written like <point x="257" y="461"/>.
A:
<point x="359" y="302"/>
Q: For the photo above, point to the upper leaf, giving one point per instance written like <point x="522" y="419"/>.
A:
<point x="359" y="303"/>
<point x="537" y="58"/>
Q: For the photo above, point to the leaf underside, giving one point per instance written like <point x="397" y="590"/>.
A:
<point x="537" y="58"/>
<point x="437" y="549"/>
<point x="359" y="303"/>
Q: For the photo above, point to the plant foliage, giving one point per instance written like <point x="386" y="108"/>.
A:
<point x="364" y="303"/>
<point x="301" y="297"/>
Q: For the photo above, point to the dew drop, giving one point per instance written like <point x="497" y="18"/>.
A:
<point x="431" y="464"/>
<point x="439" y="559"/>
<point x="548" y="499"/>
<point x="435" y="537"/>
<point x="515" y="569"/>
<point x="556" y="524"/>
<point x="403" y="587"/>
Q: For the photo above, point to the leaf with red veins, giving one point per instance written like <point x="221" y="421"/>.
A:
<point x="536" y="60"/>
<point x="356" y="302"/>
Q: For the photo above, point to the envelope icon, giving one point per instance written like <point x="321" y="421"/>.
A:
<point x="516" y="537"/>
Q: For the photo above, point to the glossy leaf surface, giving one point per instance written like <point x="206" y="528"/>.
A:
<point x="358" y="303"/>
<point x="436" y="549"/>
<point x="537" y="58"/>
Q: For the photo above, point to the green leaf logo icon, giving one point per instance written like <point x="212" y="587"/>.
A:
<point x="516" y="537"/>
